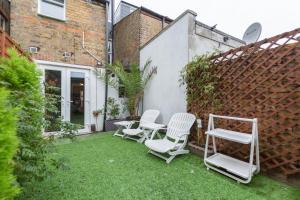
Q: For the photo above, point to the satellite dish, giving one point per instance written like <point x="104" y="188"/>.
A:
<point x="252" y="33"/>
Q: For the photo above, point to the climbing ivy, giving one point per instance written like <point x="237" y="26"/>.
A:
<point x="201" y="80"/>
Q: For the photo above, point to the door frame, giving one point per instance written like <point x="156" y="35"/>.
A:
<point x="87" y="97"/>
<point x="66" y="70"/>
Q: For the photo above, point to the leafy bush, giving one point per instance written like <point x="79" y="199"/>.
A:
<point x="202" y="82"/>
<point x="113" y="108"/>
<point x="134" y="82"/>
<point x="8" y="147"/>
<point x="33" y="160"/>
<point x="22" y="78"/>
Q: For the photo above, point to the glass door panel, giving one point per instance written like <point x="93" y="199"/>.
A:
<point x="53" y="93"/>
<point x="77" y="98"/>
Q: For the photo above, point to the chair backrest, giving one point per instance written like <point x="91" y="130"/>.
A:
<point x="149" y="116"/>
<point x="179" y="125"/>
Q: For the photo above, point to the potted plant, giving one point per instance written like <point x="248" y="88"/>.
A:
<point x="96" y="113"/>
<point x="112" y="114"/>
<point x="134" y="80"/>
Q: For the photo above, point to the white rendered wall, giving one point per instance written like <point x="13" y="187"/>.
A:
<point x="203" y="40"/>
<point x="170" y="52"/>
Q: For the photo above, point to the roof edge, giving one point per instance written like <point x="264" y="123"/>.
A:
<point x="151" y="12"/>
<point x="220" y="32"/>
<point x="171" y="24"/>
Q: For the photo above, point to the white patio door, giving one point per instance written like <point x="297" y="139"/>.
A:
<point x="73" y="87"/>
<point x="77" y="104"/>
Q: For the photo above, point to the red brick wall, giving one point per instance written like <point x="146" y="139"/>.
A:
<point x="132" y="32"/>
<point x="126" y="39"/>
<point x="56" y="37"/>
<point x="150" y="26"/>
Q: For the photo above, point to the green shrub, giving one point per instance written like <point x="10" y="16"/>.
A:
<point x="134" y="80"/>
<point x="113" y="108"/>
<point x="8" y="147"/>
<point x="22" y="78"/>
<point x="33" y="160"/>
<point x="202" y="82"/>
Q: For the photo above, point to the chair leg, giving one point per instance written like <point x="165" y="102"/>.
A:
<point x="179" y="151"/>
<point x="170" y="159"/>
<point x="118" y="132"/>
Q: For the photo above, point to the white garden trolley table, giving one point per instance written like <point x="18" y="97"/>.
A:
<point x="229" y="166"/>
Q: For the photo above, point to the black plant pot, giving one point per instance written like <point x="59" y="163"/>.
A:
<point x="109" y="124"/>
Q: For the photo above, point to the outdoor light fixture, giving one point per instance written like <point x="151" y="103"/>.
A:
<point x="99" y="64"/>
<point x="33" y="49"/>
<point x="68" y="54"/>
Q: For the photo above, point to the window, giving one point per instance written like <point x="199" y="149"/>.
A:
<point x="53" y="8"/>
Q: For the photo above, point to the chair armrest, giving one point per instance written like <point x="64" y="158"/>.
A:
<point x="132" y="122"/>
<point x="186" y="134"/>
<point x="156" y="131"/>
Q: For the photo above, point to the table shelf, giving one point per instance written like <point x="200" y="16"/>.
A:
<point x="232" y="165"/>
<point x="234" y="136"/>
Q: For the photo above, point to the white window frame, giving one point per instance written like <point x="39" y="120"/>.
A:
<point x="54" y="2"/>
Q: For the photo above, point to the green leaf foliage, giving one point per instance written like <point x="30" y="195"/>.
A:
<point x="34" y="113"/>
<point x="22" y="78"/>
<point x="8" y="147"/>
<point x="134" y="81"/>
<point x="201" y="80"/>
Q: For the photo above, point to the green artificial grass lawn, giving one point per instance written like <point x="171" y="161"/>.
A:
<point x="106" y="167"/>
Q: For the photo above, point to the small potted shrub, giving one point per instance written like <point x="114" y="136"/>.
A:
<point x="112" y="114"/>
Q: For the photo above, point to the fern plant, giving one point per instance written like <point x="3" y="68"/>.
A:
<point x="134" y="80"/>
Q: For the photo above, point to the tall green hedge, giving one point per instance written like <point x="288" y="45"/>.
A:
<point x="22" y="78"/>
<point x="8" y="147"/>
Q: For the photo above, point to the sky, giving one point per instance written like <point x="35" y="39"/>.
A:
<point x="233" y="16"/>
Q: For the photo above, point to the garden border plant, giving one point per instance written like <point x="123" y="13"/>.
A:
<point x="201" y="81"/>
<point x="33" y="160"/>
<point x="8" y="147"/>
<point x="133" y="79"/>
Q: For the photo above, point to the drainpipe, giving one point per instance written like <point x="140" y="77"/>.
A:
<point x="106" y="49"/>
<point x="163" y="22"/>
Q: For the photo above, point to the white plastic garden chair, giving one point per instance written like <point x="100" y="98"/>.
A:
<point x="176" y="137"/>
<point x="122" y="125"/>
<point x="140" y="134"/>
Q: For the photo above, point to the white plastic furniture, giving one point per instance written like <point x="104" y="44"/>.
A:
<point x="140" y="134"/>
<point x="236" y="169"/>
<point x="122" y="125"/>
<point x="175" y="139"/>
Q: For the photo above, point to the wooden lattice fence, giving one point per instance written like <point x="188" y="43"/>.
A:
<point x="7" y="42"/>
<point x="262" y="80"/>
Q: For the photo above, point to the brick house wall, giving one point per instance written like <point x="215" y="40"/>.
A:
<point x="134" y="31"/>
<point x="150" y="26"/>
<point x="126" y="39"/>
<point x="55" y="37"/>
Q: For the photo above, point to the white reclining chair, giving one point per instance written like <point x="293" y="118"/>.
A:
<point x="140" y="134"/>
<point x="176" y="137"/>
<point x="122" y="125"/>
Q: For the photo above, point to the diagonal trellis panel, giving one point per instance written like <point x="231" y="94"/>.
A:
<point x="262" y="80"/>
